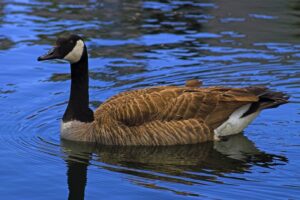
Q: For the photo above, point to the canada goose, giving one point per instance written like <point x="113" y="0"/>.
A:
<point x="165" y="115"/>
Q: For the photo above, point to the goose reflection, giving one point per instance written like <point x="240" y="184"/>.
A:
<point x="186" y="164"/>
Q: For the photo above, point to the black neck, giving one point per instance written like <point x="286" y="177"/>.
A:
<point x="78" y="107"/>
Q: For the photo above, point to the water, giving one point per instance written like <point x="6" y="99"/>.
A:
<point x="135" y="44"/>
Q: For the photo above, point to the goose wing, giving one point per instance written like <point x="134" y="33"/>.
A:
<point x="211" y="105"/>
<point x="174" y="115"/>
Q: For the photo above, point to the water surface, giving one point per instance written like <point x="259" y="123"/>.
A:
<point x="134" y="44"/>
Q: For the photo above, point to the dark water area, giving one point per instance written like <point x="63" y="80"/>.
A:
<point x="134" y="44"/>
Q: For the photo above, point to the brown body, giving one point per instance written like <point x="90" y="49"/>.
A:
<point x="171" y="115"/>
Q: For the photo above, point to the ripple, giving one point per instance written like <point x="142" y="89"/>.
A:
<point x="262" y="16"/>
<point x="232" y="19"/>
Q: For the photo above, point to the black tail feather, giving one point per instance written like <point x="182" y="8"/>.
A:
<point x="267" y="99"/>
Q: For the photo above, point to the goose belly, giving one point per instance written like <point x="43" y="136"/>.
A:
<point x="236" y="123"/>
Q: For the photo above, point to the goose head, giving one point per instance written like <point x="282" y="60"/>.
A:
<point x="69" y="48"/>
<point x="73" y="50"/>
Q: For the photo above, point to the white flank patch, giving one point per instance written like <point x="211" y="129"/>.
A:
<point x="76" y="53"/>
<point x="235" y="124"/>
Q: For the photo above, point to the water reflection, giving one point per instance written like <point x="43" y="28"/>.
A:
<point x="295" y="5"/>
<point x="131" y="22"/>
<point x="5" y="43"/>
<point x="115" y="20"/>
<point x="187" y="164"/>
<point x="77" y="176"/>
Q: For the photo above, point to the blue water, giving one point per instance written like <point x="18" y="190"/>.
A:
<point x="134" y="44"/>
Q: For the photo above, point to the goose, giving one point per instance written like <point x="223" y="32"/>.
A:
<point x="162" y="115"/>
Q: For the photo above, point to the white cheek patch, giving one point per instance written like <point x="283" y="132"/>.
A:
<point x="76" y="53"/>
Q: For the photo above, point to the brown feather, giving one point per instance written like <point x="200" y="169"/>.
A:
<point x="171" y="115"/>
<point x="193" y="83"/>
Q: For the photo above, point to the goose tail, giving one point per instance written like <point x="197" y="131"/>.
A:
<point x="273" y="99"/>
<point x="267" y="99"/>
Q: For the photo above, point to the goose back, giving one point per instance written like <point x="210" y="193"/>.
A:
<point x="171" y="115"/>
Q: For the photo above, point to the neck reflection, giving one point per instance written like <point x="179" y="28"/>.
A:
<point x="77" y="175"/>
